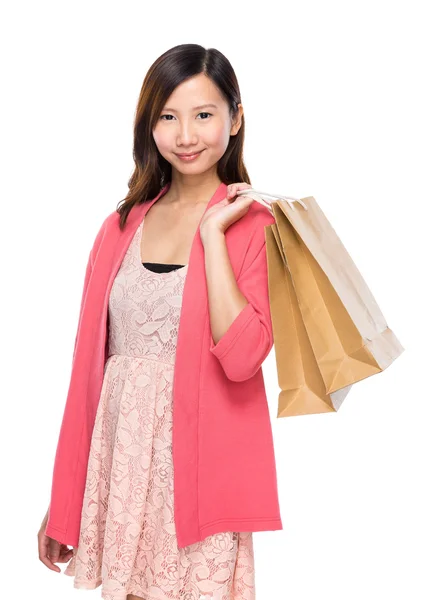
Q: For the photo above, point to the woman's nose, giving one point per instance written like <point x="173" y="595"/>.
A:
<point x="187" y="134"/>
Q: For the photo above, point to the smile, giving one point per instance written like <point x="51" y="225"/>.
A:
<point x="188" y="157"/>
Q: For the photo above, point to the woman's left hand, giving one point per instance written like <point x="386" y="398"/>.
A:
<point x="223" y="214"/>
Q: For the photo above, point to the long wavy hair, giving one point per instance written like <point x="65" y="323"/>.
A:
<point x="152" y="171"/>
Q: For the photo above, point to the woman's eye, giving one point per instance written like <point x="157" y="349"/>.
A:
<point x="202" y="113"/>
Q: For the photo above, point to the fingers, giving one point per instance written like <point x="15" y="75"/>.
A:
<point x="233" y="188"/>
<point x="65" y="555"/>
<point x="48" y="550"/>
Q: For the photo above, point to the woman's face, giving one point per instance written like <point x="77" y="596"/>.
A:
<point x="186" y="126"/>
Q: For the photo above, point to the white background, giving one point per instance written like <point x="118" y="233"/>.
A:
<point x="331" y="97"/>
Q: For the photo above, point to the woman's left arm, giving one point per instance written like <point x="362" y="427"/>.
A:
<point x="226" y="300"/>
<point x="239" y="311"/>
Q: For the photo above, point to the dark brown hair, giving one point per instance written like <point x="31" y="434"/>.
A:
<point x="152" y="171"/>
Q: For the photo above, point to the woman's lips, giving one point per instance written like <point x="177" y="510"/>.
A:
<point x="187" y="157"/>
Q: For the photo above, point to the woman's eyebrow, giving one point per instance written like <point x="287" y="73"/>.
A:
<point x="194" y="107"/>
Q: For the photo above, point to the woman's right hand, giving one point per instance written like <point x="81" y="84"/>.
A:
<point x="51" y="551"/>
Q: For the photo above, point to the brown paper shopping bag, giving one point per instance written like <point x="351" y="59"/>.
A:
<point x="302" y="387"/>
<point x="347" y="334"/>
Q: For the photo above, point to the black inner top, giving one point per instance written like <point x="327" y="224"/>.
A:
<point x="161" y="267"/>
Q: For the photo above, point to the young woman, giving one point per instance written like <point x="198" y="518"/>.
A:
<point x="165" y="461"/>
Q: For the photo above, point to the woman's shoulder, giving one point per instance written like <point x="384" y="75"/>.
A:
<point x="254" y="222"/>
<point x="261" y="215"/>
<point x="111" y="219"/>
<point x="108" y="225"/>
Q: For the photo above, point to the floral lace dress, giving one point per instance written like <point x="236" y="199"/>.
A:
<point x="127" y="540"/>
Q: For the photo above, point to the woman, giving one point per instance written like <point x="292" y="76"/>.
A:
<point x="165" y="463"/>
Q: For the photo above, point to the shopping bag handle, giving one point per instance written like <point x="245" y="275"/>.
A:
<point x="266" y="199"/>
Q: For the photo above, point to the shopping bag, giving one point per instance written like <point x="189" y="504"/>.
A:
<point x="329" y="332"/>
<point x="302" y="387"/>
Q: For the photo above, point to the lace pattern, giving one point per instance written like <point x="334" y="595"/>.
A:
<point x="127" y="541"/>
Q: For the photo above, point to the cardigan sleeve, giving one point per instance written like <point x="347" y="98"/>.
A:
<point x="88" y="271"/>
<point x="249" y="339"/>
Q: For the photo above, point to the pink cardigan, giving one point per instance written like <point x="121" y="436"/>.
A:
<point x="224" y="463"/>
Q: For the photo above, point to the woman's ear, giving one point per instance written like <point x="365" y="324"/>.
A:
<point x="238" y="120"/>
